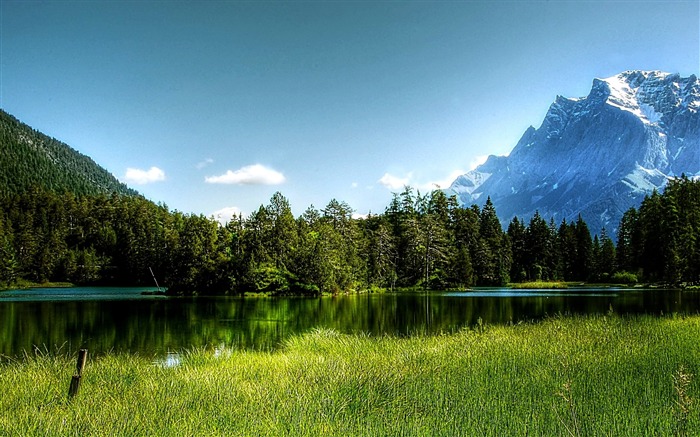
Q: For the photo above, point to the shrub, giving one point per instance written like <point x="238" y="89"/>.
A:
<point x="624" y="278"/>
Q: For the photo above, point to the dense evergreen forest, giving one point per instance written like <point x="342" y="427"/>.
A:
<point x="419" y="241"/>
<point x="29" y="158"/>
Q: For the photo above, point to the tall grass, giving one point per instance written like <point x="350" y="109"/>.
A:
<point x="599" y="375"/>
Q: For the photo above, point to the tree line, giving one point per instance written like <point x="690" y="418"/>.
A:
<point x="421" y="240"/>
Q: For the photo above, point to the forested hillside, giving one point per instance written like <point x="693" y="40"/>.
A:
<point x="29" y="159"/>
<point x="420" y="240"/>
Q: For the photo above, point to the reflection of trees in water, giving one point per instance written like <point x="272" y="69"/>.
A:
<point x="158" y="326"/>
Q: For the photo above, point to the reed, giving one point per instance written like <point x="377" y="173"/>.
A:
<point x="582" y="375"/>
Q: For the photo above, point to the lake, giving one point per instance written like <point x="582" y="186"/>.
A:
<point x="124" y="320"/>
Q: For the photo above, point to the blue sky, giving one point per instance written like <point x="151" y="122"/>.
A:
<point x="213" y="106"/>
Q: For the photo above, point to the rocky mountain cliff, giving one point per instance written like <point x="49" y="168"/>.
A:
<point x="598" y="155"/>
<point x="29" y="159"/>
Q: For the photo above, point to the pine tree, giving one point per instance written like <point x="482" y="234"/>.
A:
<point x="516" y="233"/>
<point x="584" y="248"/>
<point x="492" y="260"/>
<point x="539" y="249"/>
<point x="606" y="260"/>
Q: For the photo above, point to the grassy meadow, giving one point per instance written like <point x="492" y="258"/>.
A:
<point x="568" y="376"/>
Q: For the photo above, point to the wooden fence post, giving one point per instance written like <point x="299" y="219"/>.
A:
<point x="75" y="382"/>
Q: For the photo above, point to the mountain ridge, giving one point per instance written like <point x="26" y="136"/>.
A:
<point x="31" y="159"/>
<point x="598" y="155"/>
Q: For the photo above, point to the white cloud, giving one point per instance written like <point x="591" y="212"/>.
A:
<point x="205" y="163"/>
<point x="443" y="183"/>
<point x="249" y="175"/>
<point x="224" y="215"/>
<point x="142" y="177"/>
<point x="394" y="182"/>
<point x="354" y="185"/>
<point x="477" y="161"/>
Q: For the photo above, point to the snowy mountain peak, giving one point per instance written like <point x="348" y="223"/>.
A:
<point x="598" y="155"/>
<point x="652" y="95"/>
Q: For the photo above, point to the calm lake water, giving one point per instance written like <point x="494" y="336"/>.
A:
<point x="123" y="320"/>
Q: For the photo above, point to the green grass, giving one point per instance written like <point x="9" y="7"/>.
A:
<point x="601" y="375"/>
<point x="21" y="284"/>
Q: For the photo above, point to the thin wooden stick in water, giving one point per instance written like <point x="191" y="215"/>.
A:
<point x="154" y="278"/>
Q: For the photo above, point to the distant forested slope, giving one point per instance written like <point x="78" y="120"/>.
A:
<point x="29" y="158"/>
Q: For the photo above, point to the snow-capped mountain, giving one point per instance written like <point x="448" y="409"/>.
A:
<point x="598" y="155"/>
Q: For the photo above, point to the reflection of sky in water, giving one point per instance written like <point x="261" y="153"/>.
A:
<point x="565" y="292"/>
<point x="222" y="351"/>
<point x="78" y="293"/>
<point x="172" y="359"/>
